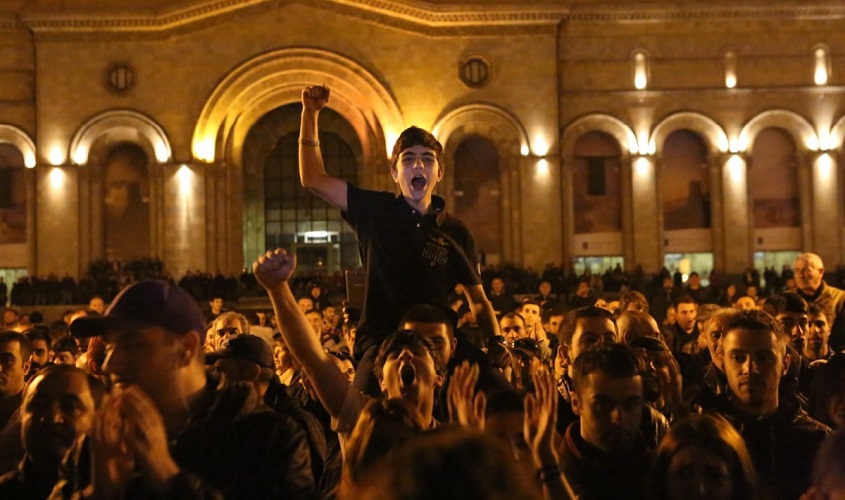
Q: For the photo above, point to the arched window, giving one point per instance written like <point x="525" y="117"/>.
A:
<point x="126" y="203"/>
<point x="478" y="194"/>
<point x="298" y="220"/>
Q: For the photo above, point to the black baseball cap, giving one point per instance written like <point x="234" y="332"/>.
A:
<point x="246" y="347"/>
<point x="143" y="304"/>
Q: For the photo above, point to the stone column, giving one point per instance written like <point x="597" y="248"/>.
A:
<point x="825" y="207"/>
<point x="645" y="212"/>
<point x="57" y="220"/>
<point x="736" y="219"/>
<point x="717" y="213"/>
<point x="541" y="211"/>
<point x="568" y="208"/>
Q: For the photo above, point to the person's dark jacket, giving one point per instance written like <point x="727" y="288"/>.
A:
<point x="596" y="474"/>
<point x="233" y="446"/>
<point x="782" y="445"/>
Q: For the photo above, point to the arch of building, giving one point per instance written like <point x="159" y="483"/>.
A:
<point x="120" y="125"/>
<point x="796" y="125"/>
<point x="276" y="78"/>
<point x="714" y="136"/>
<point x="836" y="138"/>
<point x="508" y="135"/>
<point x="599" y="123"/>
<point x="10" y="134"/>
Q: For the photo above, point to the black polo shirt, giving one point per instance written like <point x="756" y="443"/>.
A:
<point x="410" y="258"/>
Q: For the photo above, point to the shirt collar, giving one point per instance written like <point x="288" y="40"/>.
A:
<point x="438" y="207"/>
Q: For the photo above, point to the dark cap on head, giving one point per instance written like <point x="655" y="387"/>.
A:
<point x="246" y="347"/>
<point x="144" y="304"/>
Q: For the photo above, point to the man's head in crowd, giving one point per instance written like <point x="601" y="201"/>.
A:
<point x="315" y="319"/>
<point x="745" y="303"/>
<point x="694" y="280"/>
<point x="64" y="351"/>
<point x="10" y="317"/>
<point x="818" y="333"/>
<point x="714" y="333"/>
<point x="584" y="328"/>
<point x="583" y="289"/>
<point x="530" y="310"/>
<point x="791" y="311"/>
<point x="39" y="339"/>
<point x="58" y="407"/>
<point x="153" y="336"/>
<point x="808" y="270"/>
<point x="434" y="324"/>
<point x="552" y="320"/>
<point x="633" y="301"/>
<point x="409" y="367"/>
<point x="305" y="303"/>
<point x="687" y="310"/>
<point x="633" y="324"/>
<point x="227" y="326"/>
<point x="246" y="358"/>
<point x="216" y="305"/>
<point x="608" y="397"/>
<point x="97" y="305"/>
<point x="512" y="326"/>
<point x="754" y="349"/>
<point x="15" y="353"/>
<point x="545" y="288"/>
<point x="497" y="285"/>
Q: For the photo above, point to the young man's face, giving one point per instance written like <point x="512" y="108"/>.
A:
<point x="589" y="332"/>
<point x="817" y="336"/>
<point x="40" y="352"/>
<point x="305" y="304"/>
<point x="13" y="368"/>
<point x="686" y="316"/>
<point x="148" y="357"/>
<point x="512" y="328"/>
<point x="497" y="285"/>
<point x="754" y="363"/>
<point x="531" y="313"/>
<point x="553" y="326"/>
<point x="97" y="304"/>
<point x="795" y="325"/>
<point x="438" y="334"/>
<point x="610" y="410"/>
<point x="315" y="319"/>
<point x="64" y="358"/>
<point x="545" y="288"/>
<point x="746" y="304"/>
<point x="417" y="172"/>
<point x="57" y="409"/>
<point x="216" y="305"/>
<point x="409" y="373"/>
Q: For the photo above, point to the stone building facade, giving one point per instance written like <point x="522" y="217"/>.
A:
<point x="705" y="135"/>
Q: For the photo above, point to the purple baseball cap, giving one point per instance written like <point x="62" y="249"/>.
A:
<point x="142" y="304"/>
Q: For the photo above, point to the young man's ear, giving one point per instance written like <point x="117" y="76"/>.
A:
<point x="563" y="355"/>
<point x="439" y="380"/>
<point x="787" y="360"/>
<point x="191" y="345"/>
<point x="576" y="404"/>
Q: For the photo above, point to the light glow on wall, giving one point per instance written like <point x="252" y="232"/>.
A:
<point x="56" y="156"/>
<point x="162" y="151"/>
<point x="186" y="178"/>
<point x="57" y="179"/>
<point x="736" y="169"/>
<point x="730" y="69"/>
<point x="824" y="169"/>
<point x="642" y="167"/>
<point x="80" y="156"/>
<point x="204" y="150"/>
<point x="524" y="150"/>
<point x="820" y="75"/>
<point x="542" y="168"/>
<point x="640" y="70"/>
<point x="29" y="159"/>
<point x="390" y="138"/>
<point x="541" y="145"/>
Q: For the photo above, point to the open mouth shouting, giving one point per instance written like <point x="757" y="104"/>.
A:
<point x="407" y="378"/>
<point x="418" y="183"/>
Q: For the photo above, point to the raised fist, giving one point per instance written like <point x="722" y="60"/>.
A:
<point x="315" y="98"/>
<point x="274" y="268"/>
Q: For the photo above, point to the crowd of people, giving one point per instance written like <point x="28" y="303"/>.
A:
<point x="443" y="384"/>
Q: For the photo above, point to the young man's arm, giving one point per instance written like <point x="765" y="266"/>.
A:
<point x="312" y="172"/>
<point x="484" y="313"/>
<point x="273" y="270"/>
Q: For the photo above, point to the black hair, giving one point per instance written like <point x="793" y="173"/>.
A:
<point x="567" y="330"/>
<point x="427" y="313"/>
<point x="25" y="344"/>
<point x="786" y="302"/>
<point x="615" y="360"/>
<point x="415" y="136"/>
<point x="398" y="340"/>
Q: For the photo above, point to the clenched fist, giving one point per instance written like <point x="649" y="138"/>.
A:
<point x="274" y="268"/>
<point x="315" y="97"/>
